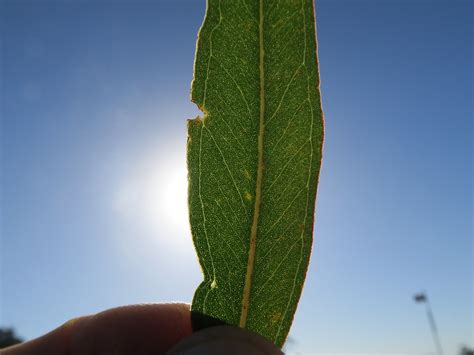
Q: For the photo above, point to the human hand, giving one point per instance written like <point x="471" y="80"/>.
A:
<point x="143" y="329"/>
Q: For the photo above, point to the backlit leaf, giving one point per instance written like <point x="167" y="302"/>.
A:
<point x="254" y="161"/>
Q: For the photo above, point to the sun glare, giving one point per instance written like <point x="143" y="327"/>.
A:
<point x="170" y="202"/>
<point x="155" y="196"/>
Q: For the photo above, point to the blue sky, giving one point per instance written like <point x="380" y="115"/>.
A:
<point x="94" y="100"/>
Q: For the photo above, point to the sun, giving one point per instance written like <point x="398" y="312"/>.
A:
<point x="154" y="197"/>
<point x="170" y="196"/>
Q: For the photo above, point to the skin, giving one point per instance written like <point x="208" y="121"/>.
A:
<point x="137" y="329"/>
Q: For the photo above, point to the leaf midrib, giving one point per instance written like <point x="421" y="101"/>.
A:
<point x="258" y="187"/>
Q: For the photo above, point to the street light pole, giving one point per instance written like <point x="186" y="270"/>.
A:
<point x="422" y="298"/>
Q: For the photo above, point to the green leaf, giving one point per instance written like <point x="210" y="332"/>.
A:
<point x="254" y="161"/>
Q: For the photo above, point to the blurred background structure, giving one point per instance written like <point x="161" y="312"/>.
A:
<point x="423" y="298"/>
<point x="8" y="337"/>
<point x="94" y="99"/>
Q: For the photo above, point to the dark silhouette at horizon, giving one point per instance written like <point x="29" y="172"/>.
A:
<point x="8" y="337"/>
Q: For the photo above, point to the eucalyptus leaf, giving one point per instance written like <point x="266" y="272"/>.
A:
<point x="254" y="161"/>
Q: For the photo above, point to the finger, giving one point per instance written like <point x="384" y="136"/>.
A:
<point x="138" y="329"/>
<point x="225" y="340"/>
